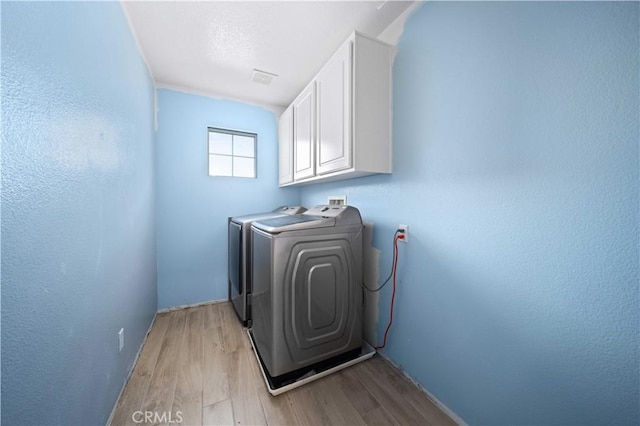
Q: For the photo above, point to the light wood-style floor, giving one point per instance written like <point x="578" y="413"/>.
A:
<point x="199" y="362"/>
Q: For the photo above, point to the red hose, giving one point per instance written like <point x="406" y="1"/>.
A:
<point x="393" y="293"/>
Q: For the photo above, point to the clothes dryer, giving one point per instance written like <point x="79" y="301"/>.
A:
<point x="307" y="297"/>
<point x="239" y="257"/>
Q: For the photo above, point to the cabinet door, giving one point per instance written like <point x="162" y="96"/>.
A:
<point x="304" y="134"/>
<point x="334" y="148"/>
<point x="285" y="147"/>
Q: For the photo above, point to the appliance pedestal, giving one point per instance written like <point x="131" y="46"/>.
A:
<point x="321" y="369"/>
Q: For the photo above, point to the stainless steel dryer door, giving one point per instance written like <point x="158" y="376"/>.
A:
<point x="322" y="301"/>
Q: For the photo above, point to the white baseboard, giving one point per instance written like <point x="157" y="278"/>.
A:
<point x="433" y="399"/>
<point x="135" y="361"/>
<point x="194" y="305"/>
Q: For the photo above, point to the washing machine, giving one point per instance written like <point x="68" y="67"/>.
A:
<point x="307" y="297"/>
<point x="239" y="254"/>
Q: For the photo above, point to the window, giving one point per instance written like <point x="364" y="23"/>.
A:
<point x="232" y="153"/>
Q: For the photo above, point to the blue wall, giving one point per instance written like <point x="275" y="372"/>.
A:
<point x="193" y="207"/>
<point x="78" y="225"/>
<point x="516" y="167"/>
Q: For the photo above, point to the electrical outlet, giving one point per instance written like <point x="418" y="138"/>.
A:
<point x="405" y="231"/>
<point x="120" y="339"/>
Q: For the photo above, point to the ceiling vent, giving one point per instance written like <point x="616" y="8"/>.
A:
<point x="262" y="77"/>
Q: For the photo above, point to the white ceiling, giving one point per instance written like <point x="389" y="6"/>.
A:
<point x="212" y="47"/>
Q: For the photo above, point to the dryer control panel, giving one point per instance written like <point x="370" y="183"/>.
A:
<point x="343" y="215"/>
<point x="322" y="216"/>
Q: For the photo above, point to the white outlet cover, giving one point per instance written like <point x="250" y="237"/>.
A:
<point x="405" y="228"/>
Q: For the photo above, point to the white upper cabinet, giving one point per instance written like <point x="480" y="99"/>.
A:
<point x="285" y="147"/>
<point x="304" y="133"/>
<point x="342" y="120"/>
<point x="334" y="113"/>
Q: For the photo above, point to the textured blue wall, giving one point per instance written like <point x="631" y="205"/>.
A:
<point x="516" y="167"/>
<point x="78" y="224"/>
<point x="193" y="207"/>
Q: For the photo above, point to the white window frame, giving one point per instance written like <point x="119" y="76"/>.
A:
<point x="233" y="155"/>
